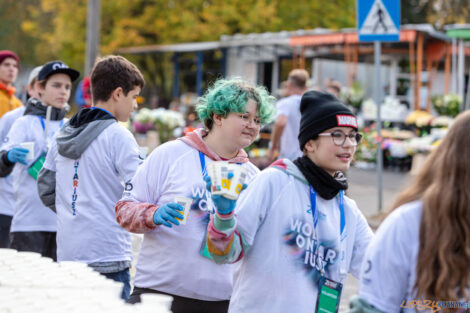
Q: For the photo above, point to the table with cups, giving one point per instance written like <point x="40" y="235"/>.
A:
<point x="32" y="283"/>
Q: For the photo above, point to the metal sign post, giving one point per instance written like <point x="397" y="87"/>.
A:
<point x="377" y="21"/>
<point x="378" y="99"/>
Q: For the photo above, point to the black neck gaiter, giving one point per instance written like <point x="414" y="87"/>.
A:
<point x="323" y="183"/>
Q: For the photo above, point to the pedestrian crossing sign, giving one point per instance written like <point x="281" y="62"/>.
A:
<point x="378" y="20"/>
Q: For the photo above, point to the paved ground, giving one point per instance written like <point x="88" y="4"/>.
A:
<point x="363" y="189"/>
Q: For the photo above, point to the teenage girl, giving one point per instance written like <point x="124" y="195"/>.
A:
<point x="294" y="231"/>
<point x="421" y="253"/>
<point x="172" y="259"/>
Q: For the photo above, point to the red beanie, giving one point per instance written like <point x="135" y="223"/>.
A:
<point x="8" y="54"/>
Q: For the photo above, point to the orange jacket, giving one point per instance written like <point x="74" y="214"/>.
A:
<point x="8" y="101"/>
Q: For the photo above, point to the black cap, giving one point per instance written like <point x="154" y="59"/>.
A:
<point x="55" y="67"/>
<point x="321" y="111"/>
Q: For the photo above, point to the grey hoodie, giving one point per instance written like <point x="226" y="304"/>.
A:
<point x="72" y="140"/>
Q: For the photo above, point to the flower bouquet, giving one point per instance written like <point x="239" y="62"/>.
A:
<point x="165" y="122"/>
<point x="448" y="105"/>
<point x="353" y="95"/>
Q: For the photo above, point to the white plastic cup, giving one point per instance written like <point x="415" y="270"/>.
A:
<point x="159" y="301"/>
<point x="185" y="202"/>
<point x="218" y="172"/>
<point x="30" y="146"/>
<point x="236" y="182"/>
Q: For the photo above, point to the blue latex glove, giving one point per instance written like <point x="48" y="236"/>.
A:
<point x="17" y="154"/>
<point x="168" y="213"/>
<point x="223" y="205"/>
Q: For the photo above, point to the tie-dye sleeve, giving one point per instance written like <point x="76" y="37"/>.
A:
<point x="136" y="217"/>
<point x="224" y="243"/>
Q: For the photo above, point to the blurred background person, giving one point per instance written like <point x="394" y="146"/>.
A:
<point x="286" y="127"/>
<point x="9" y="67"/>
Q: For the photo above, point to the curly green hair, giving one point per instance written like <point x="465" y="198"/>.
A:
<point x="231" y="95"/>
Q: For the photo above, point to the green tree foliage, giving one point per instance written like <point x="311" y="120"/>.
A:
<point x="41" y="30"/>
<point x="12" y="35"/>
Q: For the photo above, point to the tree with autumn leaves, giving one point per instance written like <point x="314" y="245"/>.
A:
<point x="41" y="30"/>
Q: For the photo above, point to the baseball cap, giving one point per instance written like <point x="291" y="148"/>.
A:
<point x="55" y="67"/>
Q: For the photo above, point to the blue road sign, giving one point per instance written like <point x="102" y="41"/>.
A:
<point x="378" y="20"/>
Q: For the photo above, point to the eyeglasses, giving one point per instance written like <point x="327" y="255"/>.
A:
<point x="339" y="138"/>
<point x="246" y="118"/>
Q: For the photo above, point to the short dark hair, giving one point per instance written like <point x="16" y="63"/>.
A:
<point x="111" y="72"/>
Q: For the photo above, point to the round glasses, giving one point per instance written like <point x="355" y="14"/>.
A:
<point x="339" y="138"/>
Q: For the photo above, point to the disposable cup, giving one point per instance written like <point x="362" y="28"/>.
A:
<point x="185" y="202"/>
<point x="236" y="182"/>
<point x="218" y="172"/>
<point x="221" y="184"/>
<point x="157" y="300"/>
<point x="30" y="146"/>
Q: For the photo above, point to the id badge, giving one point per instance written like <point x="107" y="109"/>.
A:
<point x="36" y="166"/>
<point x="329" y="295"/>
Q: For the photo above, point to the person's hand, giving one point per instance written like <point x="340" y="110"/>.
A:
<point x="222" y="204"/>
<point x="168" y="213"/>
<point x="17" y="154"/>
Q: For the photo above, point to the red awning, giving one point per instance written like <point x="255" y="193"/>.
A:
<point x="341" y="38"/>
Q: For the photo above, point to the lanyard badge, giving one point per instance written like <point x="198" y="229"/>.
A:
<point x="329" y="296"/>
<point x="329" y="291"/>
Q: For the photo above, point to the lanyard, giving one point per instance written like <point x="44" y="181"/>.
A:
<point x="313" y="203"/>
<point x="202" y="159"/>
<point x="342" y="225"/>
<point x="44" y="125"/>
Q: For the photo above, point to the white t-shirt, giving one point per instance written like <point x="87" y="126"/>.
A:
<point x="87" y="190"/>
<point x="389" y="269"/>
<point x="30" y="213"/>
<point x="279" y="271"/>
<point x="289" y="143"/>
<point x="7" y="196"/>
<point x="170" y="259"/>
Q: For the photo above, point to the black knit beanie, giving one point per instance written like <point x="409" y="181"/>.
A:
<point x="321" y="111"/>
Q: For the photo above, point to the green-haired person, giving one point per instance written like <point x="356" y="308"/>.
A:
<point x="171" y="260"/>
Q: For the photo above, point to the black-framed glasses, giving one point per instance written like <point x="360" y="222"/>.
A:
<point x="339" y="137"/>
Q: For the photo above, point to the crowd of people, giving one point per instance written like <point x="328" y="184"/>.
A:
<point x="74" y="189"/>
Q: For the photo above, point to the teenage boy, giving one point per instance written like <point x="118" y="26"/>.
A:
<point x="85" y="171"/>
<point x="9" y="66"/>
<point x="7" y="196"/>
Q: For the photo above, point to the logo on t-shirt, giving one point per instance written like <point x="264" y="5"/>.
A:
<point x="202" y="200"/>
<point x="75" y="186"/>
<point x="315" y="255"/>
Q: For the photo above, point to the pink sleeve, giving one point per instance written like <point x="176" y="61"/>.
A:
<point x="136" y="217"/>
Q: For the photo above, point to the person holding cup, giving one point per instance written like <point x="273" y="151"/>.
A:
<point x="296" y="233"/>
<point x="172" y="259"/>
<point x="33" y="227"/>
<point x="7" y="197"/>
